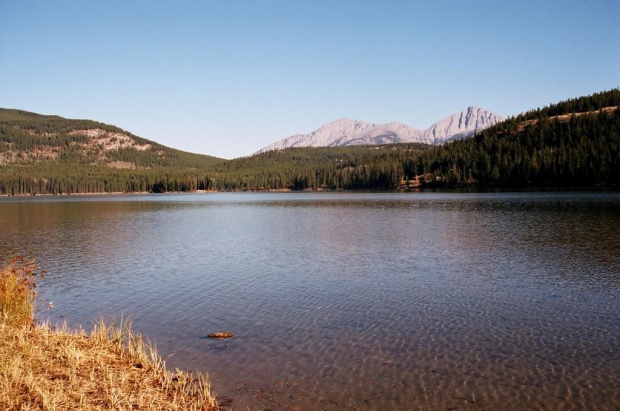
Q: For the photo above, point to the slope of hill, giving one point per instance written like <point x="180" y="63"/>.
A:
<point x="347" y="132"/>
<point x="299" y="168"/>
<point x="572" y="143"/>
<point x="27" y="138"/>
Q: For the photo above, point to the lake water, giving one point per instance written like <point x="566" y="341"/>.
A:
<point x="349" y="300"/>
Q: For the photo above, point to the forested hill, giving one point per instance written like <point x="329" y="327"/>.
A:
<point x="351" y="167"/>
<point x="584" y="104"/>
<point x="28" y="138"/>
<point x="572" y="143"/>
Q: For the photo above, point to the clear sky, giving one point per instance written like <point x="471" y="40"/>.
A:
<point x="227" y="78"/>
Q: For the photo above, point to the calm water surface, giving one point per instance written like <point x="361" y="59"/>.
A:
<point x="349" y="301"/>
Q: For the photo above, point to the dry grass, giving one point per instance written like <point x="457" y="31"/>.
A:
<point x="110" y="368"/>
<point x="17" y="290"/>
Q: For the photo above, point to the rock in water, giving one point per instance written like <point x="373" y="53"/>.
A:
<point x="220" y="335"/>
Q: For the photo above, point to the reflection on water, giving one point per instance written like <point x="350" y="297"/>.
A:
<point x="355" y="301"/>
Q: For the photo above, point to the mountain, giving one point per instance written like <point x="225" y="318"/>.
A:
<point x="461" y="125"/>
<point x="29" y="138"/>
<point x="348" y="132"/>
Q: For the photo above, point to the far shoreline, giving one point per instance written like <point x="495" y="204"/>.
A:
<point x="468" y="189"/>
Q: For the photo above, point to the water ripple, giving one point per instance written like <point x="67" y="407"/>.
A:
<point x="355" y="300"/>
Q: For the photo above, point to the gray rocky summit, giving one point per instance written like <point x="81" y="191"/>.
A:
<point x="348" y="132"/>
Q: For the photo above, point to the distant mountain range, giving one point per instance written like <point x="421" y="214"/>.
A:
<point x="351" y="132"/>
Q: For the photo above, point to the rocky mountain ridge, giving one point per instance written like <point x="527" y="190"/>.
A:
<point x="347" y="132"/>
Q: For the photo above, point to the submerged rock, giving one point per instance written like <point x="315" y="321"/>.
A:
<point x="220" y="335"/>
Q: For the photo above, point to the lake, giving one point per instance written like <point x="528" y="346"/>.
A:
<point x="348" y="300"/>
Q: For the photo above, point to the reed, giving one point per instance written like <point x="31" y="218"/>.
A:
<point x="111" y="367"/>
<point x="17" y="290"/>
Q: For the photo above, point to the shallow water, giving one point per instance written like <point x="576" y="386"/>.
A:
<point x="349" y="300"/>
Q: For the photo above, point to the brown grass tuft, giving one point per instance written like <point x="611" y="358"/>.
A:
<point x="110" y="368"/>
<point x="17" y="290"/>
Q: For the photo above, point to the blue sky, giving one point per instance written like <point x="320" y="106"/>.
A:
<point x="227" y="78"/>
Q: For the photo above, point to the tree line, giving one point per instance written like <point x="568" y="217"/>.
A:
<point x="573" y="143"/>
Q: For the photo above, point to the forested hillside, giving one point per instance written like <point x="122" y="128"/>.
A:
<point x="353" y="167"/>
<point x="41" y="154"/>
<point x="29" y="138"/>
<point x="572" y="143"/>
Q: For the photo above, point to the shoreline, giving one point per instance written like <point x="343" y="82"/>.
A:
<point x="56" y="368"/>
<point x="461" y="189"/>
<point x="110" y="368"/>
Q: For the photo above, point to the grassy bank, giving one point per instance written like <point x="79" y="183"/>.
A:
<point x="108" y="368"/>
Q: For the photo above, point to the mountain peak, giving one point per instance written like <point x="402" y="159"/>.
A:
<point x="460" y="125"/>
<point x="345" y="120"/>
<point x="349" y="131"/>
